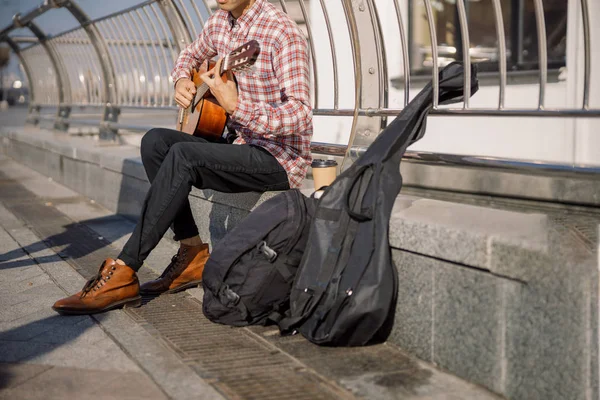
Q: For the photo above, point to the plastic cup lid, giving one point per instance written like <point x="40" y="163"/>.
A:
<point x="318" y="163"/>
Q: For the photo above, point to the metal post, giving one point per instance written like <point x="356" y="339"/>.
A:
<point x="368" y="73"/>
<point x="176" y="23"/>
<point x="32" y="107"/>
<point x="62" y="81"/>
<point x="111" y="109"/>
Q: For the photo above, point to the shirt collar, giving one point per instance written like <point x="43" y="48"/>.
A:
<point x="248" y="18"/>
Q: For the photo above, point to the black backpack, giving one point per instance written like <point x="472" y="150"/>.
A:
<point x="346" y="287"/>
<point x="250" y="272"/>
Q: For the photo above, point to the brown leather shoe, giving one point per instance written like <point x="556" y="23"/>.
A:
<point x="184" y="271"/>
<point x="115" y="286"/>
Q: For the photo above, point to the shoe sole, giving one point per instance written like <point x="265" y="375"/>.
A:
<point x="127" y="303"/>
<point x="181" y="288"/>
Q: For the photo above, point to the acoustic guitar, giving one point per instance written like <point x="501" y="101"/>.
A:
<point x="205" y="117"/>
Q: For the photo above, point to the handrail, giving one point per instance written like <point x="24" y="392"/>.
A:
<point x="135" y="49"/>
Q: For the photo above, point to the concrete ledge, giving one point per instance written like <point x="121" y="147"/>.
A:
<point x="506" y="243"/>
<point x="505" y="299"/>
<point x="574" y="189"/>
<point x="115" y="177"/>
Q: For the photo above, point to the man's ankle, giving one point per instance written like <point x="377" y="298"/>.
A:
<point x="193" y="241"/>
<point x="120" y="262"/>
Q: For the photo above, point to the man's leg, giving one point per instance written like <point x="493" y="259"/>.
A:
<point x="155" y="146"/>
<point x="225" y="168"/>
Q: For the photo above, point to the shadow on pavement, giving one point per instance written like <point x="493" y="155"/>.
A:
<point x="75" y="241"/>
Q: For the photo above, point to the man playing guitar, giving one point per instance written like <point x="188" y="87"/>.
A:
<point x="269" y="110"/>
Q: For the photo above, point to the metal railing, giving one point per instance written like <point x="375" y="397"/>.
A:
<point x="123" y="61"/>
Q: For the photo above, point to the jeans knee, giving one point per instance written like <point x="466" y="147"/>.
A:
<point x="179" y="152"/>
<point x="149" y="140"/>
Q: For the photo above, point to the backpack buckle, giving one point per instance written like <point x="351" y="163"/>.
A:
<point x="267" y="251"/>
<point x="228" y="297"/>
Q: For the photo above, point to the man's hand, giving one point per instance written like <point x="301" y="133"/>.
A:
<point x="225" y="92"/>
<point x="184" y="92"/>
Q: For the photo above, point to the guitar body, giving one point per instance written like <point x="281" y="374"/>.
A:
<point x="205" y="117"/>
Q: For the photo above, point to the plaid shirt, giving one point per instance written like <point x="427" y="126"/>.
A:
<point x="273" y="109"/>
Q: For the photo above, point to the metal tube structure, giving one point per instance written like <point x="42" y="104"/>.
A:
<point x="29" y="17"/>
<point x="501" y="52"/>
<point x="466" y="47"/>
<point x="133" y="59"/>
<point x="186" y="16"/>
<point x="435" y="77"/>
<point x="64" y="89"/>
<point x="176" y="25"/>
<point x="136" y="28"/>
<point x="336" y="95"/>
<point x="174" y="53"/>
<point x="367" y="73"/>
<point x="17" y="50"/>
<point x="312" y="51"/>
<point x="207" y="7"/>
<point x="283" y="6"/>
<point x="405" y="59"/>
<point x="542" y="50"/>
<point x="124" y="91"/>
<point x="100" y="48"/>
<point x="585" y="16"/>
<point x="150" y="70"/>
<point x="198" y="15"/>
<point x="117" y="61"/>
<point x="97" y="96"/>
<point x="164" y="57"/>
<point x="381" y="56"/>
<point x="156" y="79"/>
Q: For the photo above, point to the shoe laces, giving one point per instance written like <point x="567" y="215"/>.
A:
<point x="97" y="281"/>
<point x="177" y="261"/>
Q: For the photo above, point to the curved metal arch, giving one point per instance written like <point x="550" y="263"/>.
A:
<point x="176" y="24"/>
<point x="368" y="74"/>
<point x="100" y="47"/>
<point x="17" y="50"/>
<point x="63" y="85"/>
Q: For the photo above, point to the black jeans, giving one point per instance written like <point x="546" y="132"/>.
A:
<point x="174" y="162"/>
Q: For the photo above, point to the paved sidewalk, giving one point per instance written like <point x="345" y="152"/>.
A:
<point x="51" y="238"/>
<point x="46" y="356"/>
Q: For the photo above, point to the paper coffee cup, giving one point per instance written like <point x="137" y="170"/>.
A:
<point x="324" y="172"/>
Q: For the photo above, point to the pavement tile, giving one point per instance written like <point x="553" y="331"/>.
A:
<point x="25" y="291"/>
<point x="7" y="219"/>
<point x="71" y="383"/>
<point x="25" y="332"/>
<point x="44" y="315"/>
<point x="35" y="247"/>
<point x="15" y="351"/>
<point x="58" y="354"/>
<point x="114" y="361"/>
<point x="83" y="210"/>
<point x="12" y="375"/>
<point x="8" y="276"/>
<point x="41" y="297"/>
<point x="84" y="332"/>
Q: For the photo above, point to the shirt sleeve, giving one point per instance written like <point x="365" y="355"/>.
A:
<point x="294" y="113"/>
<point x="194" y="54"/>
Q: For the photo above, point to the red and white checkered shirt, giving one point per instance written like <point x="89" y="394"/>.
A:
<point x="273" y="109"/>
